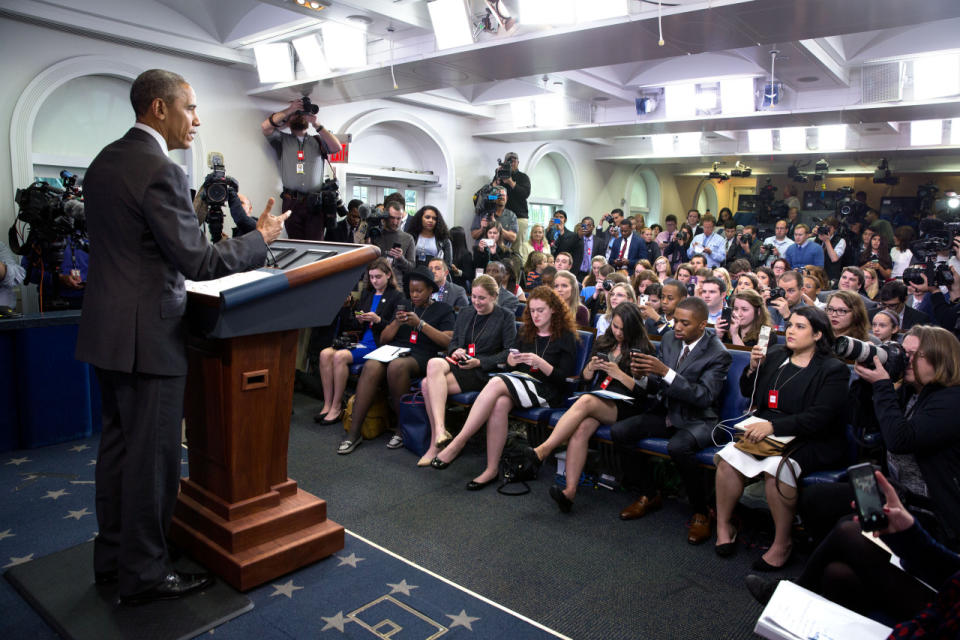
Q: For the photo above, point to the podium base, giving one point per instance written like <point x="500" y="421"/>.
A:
<point x="256" y="547"/>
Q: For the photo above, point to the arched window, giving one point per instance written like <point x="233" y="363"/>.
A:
<point x="643" y="195"/>
<point x="707" y="198"/>
<point x="546" y="193"/>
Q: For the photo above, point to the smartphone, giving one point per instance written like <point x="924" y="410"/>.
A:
<point x="397" y="245"/>
<point x="867" y="494"/>
<point x="636" y="352"/>
<point x="727" y="315"/>
<point x="602" y="355"/>
<point x="401" y="308"/>
<point x="557" y="221"/>
<point x="514" y="350"/>
<point x="644" y="299"/>
<point x="764" y="338"/>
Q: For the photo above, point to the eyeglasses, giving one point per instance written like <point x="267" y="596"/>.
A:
<point x="835" y="311"/>
<point x="910" y="355"/>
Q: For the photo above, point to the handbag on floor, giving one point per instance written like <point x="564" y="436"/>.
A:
<point x="515" y="466"/>
<point x="376" y="421"/>
<point x="414" y="424"/>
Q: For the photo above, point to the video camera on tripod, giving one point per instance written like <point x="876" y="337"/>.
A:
<point x="215" y="191"/>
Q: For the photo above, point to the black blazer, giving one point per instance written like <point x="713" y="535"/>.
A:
<point x="931" y="435"/>
<point x="810" y="407"/>
<point x="572" y="243"/>
<point x="493" y="342"/>
<point x="386" y="310"/>
<point x="144" y="241"/>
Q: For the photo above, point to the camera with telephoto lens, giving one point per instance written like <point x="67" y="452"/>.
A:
<point x="308" y="108"/>
<point x="891" y="354"/>
<point x="777" y="292"/>
<point x="504" y="169"/>
<point x="214" y="192"/>
<point x="937" y="237"/>
<point x="746" y="237"/>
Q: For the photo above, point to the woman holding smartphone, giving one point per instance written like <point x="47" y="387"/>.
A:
<point x="748" y="316"/>
<point x="482" y="337"/>
<point x="376" y="307"/>
<point x="608" y="369"/>
<point x="543" y="356"/>
<point x="490" y="248"/>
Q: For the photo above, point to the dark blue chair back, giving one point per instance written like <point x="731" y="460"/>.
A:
<point x="519" y="312"/>
<point x="583" y="349"/>
<point x="732" y="404"/>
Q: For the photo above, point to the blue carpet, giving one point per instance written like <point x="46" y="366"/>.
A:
<point x="363" y="591"/>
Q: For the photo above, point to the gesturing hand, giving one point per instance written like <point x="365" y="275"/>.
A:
<point x="270" y="226"/>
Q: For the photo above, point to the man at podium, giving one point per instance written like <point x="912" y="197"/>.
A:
<point x="144" y="241"/>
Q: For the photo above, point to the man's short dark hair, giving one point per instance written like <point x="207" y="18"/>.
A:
<point x="791" y="275"/>
<point x="696" y="211"/>
<point x="738" y="266"/>
<point x="617" y="210"/>
<point x="858" y="272"/>
<point x="585" y="218"/>
<point x="893" y="290"/>
<point x="721" y="285"/>
<point x="697" y="306"/>
<point x="152" y="84"/>
<point x="561" y="212"/>
<point x="354" y="204"/>
<point x="436" y="258"/>
<point x="670" y="218"/>
<point x="729" y="224"/>
<point x="676" y="284"/>
<point x="396" y="196"/>
<point x="501" y="269"/>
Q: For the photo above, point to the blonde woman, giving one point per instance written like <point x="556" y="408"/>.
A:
<point x="661" y="266"/>
<point x="537" y="241"/>
<point x="871" y="285"/>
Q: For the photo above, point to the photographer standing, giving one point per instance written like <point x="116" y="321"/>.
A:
<point x="301" y="166"/>
<point x="518" y="190"/>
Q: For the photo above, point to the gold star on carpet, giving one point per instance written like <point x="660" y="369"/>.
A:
<point x="335" y="622"/>
<point x="14" y="561"/>
<point x="76" y="515"/>
<point x="6" y="534"/>
<point x="462" y="620"/>
<point x="401" y="587"/>
<point x="53" y="495"/>
<point x="18" y="461"/>
<point x="79" y="448"/>
<point x="286" y="589"/>
<point x="351" y="560"/>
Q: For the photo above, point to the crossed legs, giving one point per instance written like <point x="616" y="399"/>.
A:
<point x="491" y="407"/>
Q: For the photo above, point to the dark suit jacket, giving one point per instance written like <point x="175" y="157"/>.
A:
<point x="911" y="317"/>
<point x="342" y="232"/>
<point x="144" y="239"/>
<point x="691" y="400"/>
<point x="572" y="243"/>
<point x="636" y="252"/>
<point x="454" y="295"/>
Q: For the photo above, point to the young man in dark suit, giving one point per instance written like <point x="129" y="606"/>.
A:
<point x="144" y="241"/>
<point x="687" y="377"/>
<point x="628" y="249"/>
<point x="893" y="297"/>
<point x="449" y="293"/>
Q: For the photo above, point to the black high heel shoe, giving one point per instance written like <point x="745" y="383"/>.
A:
<point x="473" y="485"/>
<point x="439" y="464"/>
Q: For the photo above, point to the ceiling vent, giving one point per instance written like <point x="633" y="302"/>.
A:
<point x="882" y="82"/>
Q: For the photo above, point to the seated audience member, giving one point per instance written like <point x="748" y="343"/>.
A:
<point x="482" y="337"/>
<point x="591" y="294"/>
<point x="607" y="368"/>
<point x="501" y="276"/>
<point x="373" y="312"/>
<point x="723" y="274"/>
<point x="618" y="294"/>
<point x="425" y="327"/>
<point x="643" y="278"/>
<point x="567" y="287"/>
<point x="893" y="297"/>
<point x="885" y="325"/>
<point x="766" y="277"/>
<point x="699" y="263"/>
<point x="595" y="263"/>
<point x="781" y="308"/>
<point x="848" y="316"/>
<point x="748" y="316"/>
<point x="448" y="292"/>
<point x="490" y="248"/>
<point x="684" y="273"/>
<point x="684" y="380"/>
<point x="871" y="286"/>
<point x="652" y="293"/>
<point x="431" y="235"/>
<point x="461" y="269"/>
<point x="661" y="267"/>
<point x="858" y="574"/>
<point x="877" y="257"/>
<point x="851" y="279"/>
<point x="738" y="267"/>
<point x="747" y="281"/>
<point x="548" y="277"/>
<point x="801" y="390"/>
<point x="901" y="254"/>
<point x="545" y="348"/>
<point x="533" y="268"/>
<point x="659" y="321"/>
<point x="812" y="285"/>
<point x="537" y="241"/>
<point x="563" y="261"/>
<point x="780" y="266"/>
<point x="712" y="292"/>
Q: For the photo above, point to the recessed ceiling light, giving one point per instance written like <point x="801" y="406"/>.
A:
<point x="871" y="128"/>
<point x="808" y="79"/>
<point x="360" y="19"/>
<point x="601" y="98"/>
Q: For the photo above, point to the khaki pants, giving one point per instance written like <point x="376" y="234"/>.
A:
<point x="522" y="245"/>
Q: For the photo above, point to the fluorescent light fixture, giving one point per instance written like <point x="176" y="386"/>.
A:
<point x="662" y="144"/>
<point x="706" y="99"/>
<point x="736" y="96"/>
<point x="936" y="76"/>
<point x="793" y="139"/>
<point x="344" y="47"/>
<point x="522" y="112"/>
<point x="832" y="137"/>
<point x="274" y="62"/>
<point x="550" y="111"/>
<point x="451" y="24"/>
<point x="926" y="133"/>
<point x="311" y="55"/>
<point x="681" y="101"/>
<point x="955" y="132"/>
<point x="547" y="12"/>
<point x="760" y="140"/>
<point x="688" y="144"/>
<point x="591" y="10"/>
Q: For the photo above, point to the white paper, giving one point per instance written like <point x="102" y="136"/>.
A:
<point x="794" y="613"/>
<point x="386" y="353"/>
<point x="603" y="393"/>
<point x="215" y="287"/>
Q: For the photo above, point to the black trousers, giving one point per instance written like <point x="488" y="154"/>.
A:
<point x="682" y="447"/>
<point x="305" y="221"/>
<point x="138" y="474"/>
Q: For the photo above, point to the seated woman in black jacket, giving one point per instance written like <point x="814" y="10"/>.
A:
<point x="425" y="327"/>
<point x="490" y="248"/>
<point x="545" y="354"/>
<point x="801" y="391"/>
<point x="375" y="309"/>
<point x="482" y="337"/>
<point x="609" y="369"/>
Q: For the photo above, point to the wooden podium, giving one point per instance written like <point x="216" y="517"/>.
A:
<point x="238" y="513"/>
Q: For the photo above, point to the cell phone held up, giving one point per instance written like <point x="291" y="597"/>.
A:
<point x="727" y="315"/>
<point x="867" y="495"/>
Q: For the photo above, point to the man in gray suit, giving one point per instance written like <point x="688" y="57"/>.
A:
<point x="144" y="240"/>
<point x="449" y="293"/>
<point x="687" y="378"/>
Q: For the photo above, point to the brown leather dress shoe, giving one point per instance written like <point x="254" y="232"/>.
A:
<point x="642" y="507"/>
<point x="699" y="529"/>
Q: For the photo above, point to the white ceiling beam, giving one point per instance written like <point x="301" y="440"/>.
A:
<point x="826" y="58"/>
<point x="433" y="101"/>
<point x="600" y="84"/>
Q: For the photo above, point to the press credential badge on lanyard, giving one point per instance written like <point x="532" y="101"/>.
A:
<point x="472" y="350"/>
<point x="300" y="157"/>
